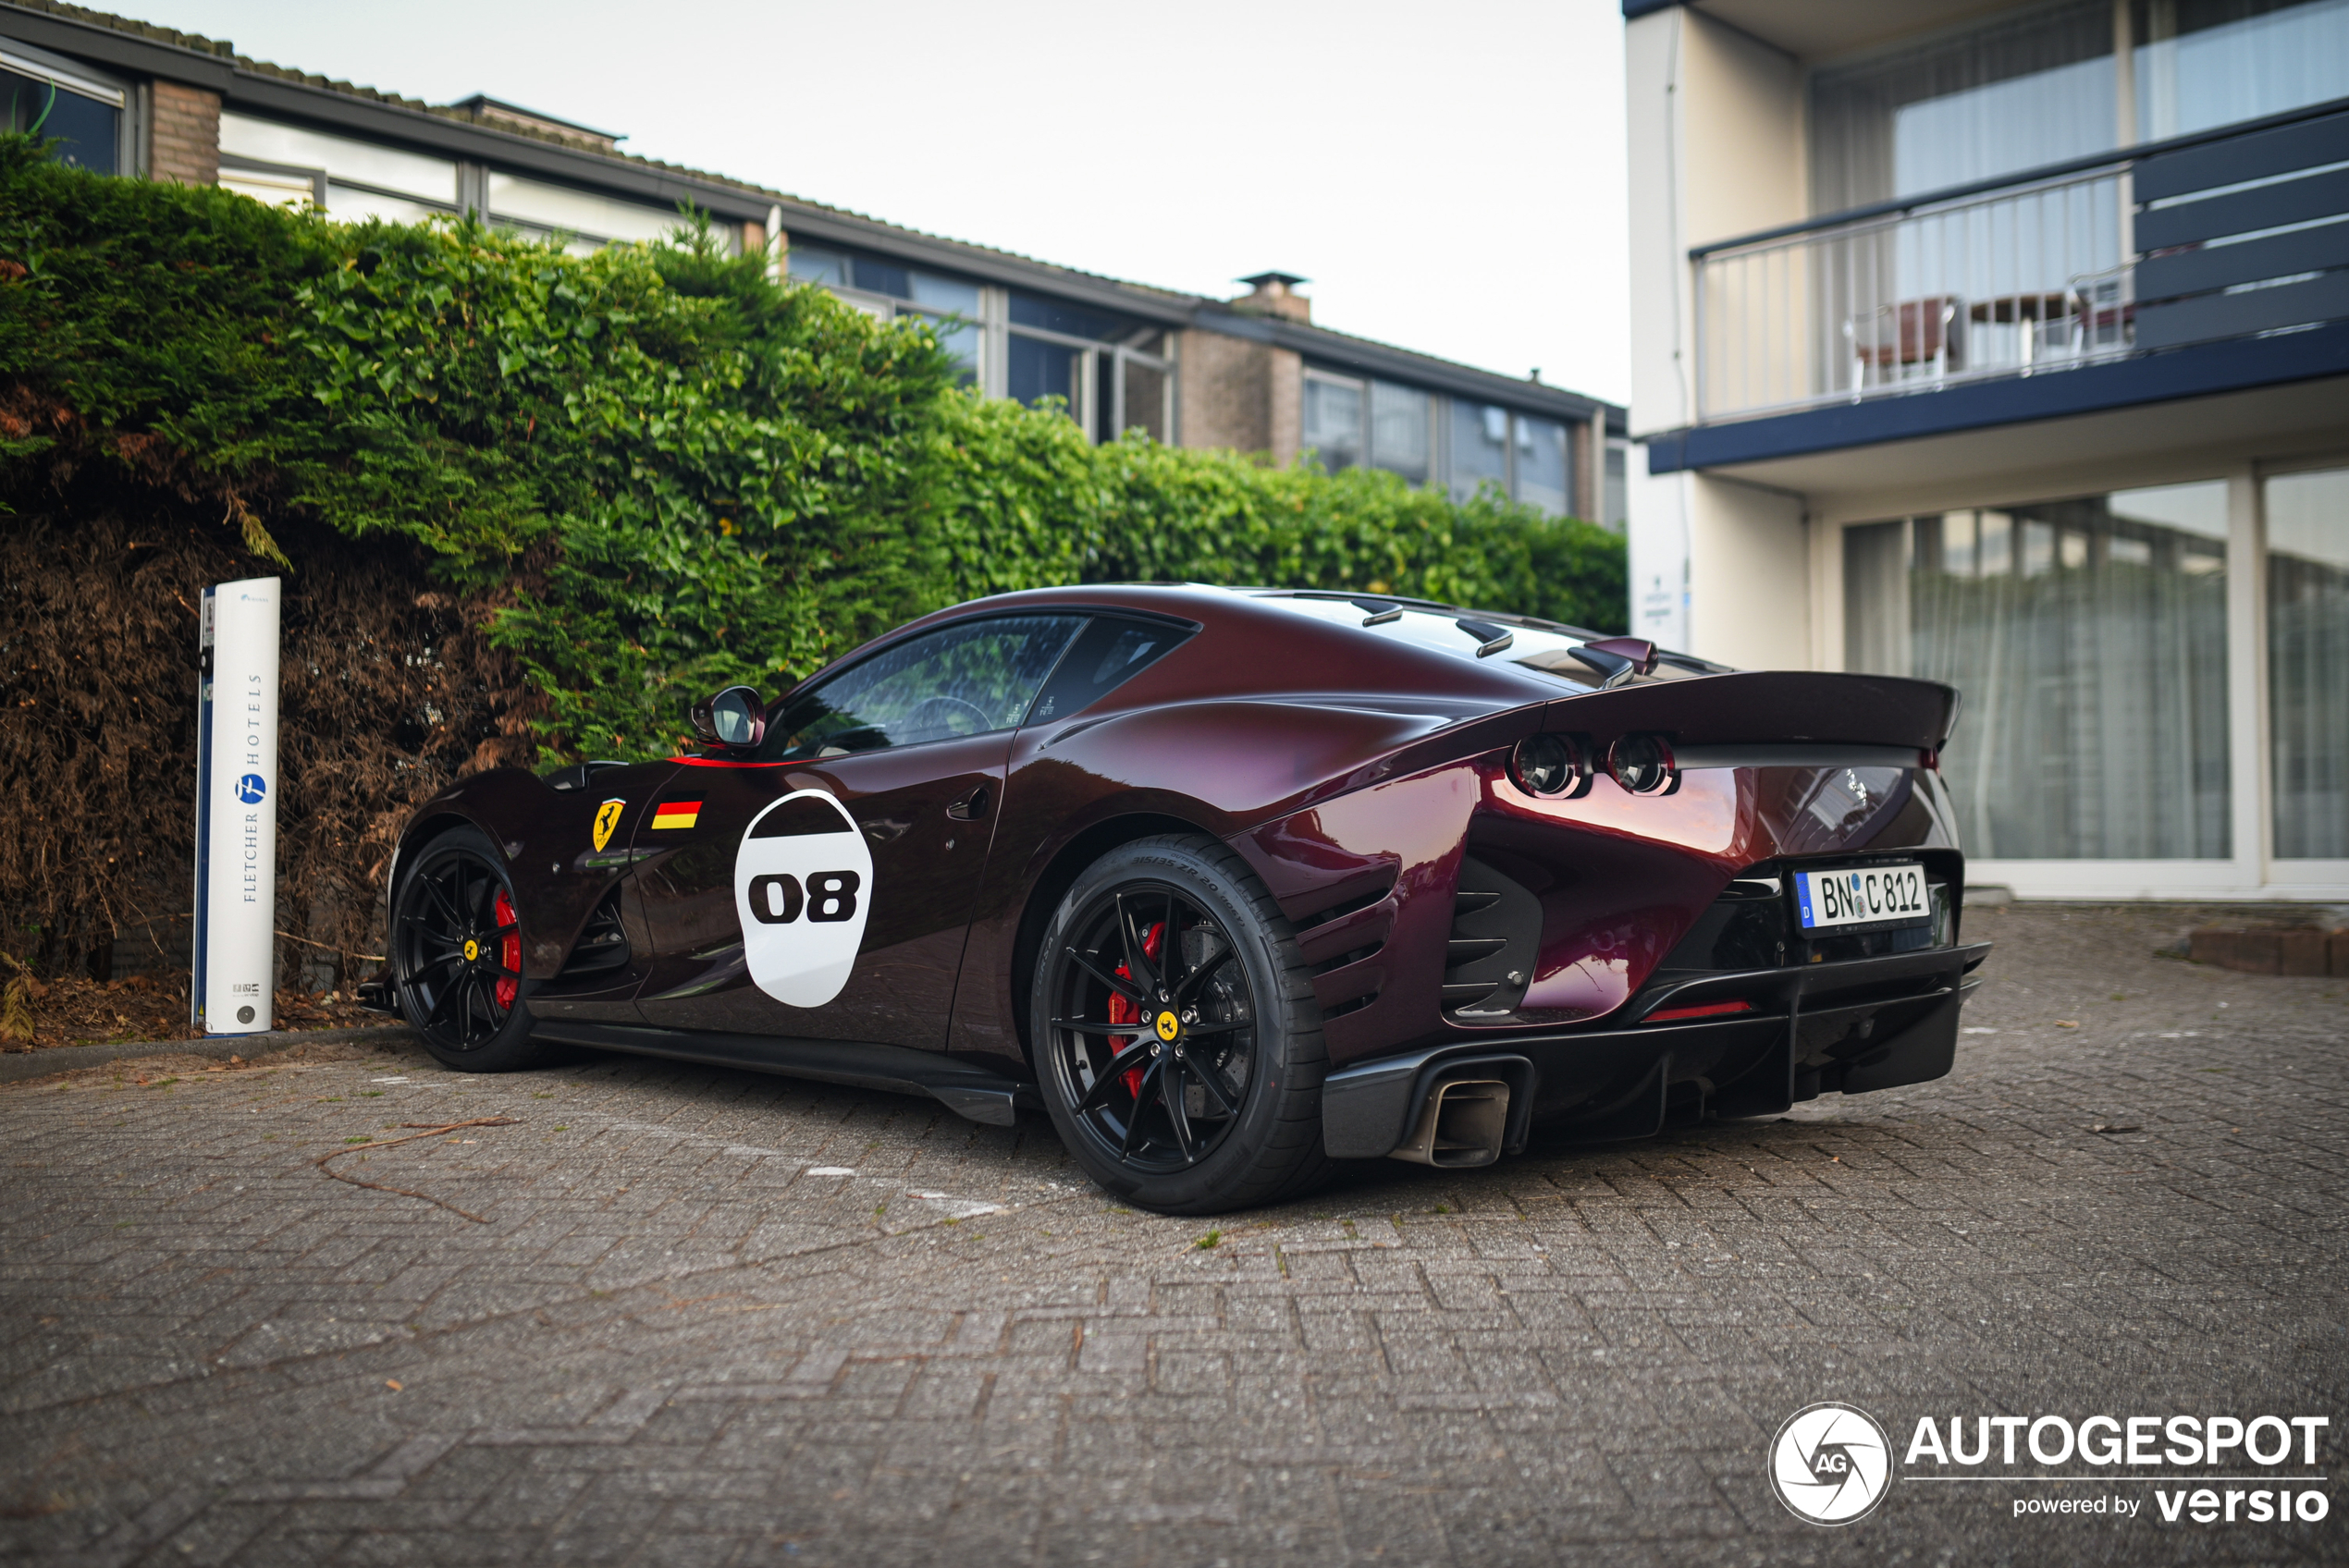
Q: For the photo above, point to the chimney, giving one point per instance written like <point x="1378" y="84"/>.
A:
<point x="1274" y="294"/>
<point x="481" y="109"/>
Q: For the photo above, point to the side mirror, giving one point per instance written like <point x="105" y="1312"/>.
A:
<point x="734" y="718"/>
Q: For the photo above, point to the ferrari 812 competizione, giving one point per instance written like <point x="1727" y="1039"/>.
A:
<point x="1231" y="884"/>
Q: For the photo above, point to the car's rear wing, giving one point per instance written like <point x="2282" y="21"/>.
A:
<point x="1765" y="718"/>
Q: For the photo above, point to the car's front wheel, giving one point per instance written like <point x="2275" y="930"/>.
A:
<point x="455" y="956"/>
<point x="1177" y="1041"/>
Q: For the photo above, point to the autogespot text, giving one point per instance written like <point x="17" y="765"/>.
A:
<point x="2112" y="1445"/>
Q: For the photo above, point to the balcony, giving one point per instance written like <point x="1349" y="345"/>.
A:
<point x="2223" y="236"/>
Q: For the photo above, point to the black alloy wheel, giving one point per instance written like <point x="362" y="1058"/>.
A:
<point x="456" y="955"/>
<point x="1156" y="1023"/>
<point x="1178" y="1045"/>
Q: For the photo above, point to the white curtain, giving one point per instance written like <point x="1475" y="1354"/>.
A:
<point x="2010" y="95"/>
<point x="2204" y="63"/>
<point x="2089" y="638"/>
<point x="2308" y="661"/>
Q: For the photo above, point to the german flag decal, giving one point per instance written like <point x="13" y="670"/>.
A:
<point x="677" y="814"/>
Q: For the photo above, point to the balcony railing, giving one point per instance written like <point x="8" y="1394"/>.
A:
<point x="2225" y="234"/>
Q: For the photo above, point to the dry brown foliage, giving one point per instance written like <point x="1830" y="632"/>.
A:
<point x="390" y="689"/>
<point x="73" y="1009"/>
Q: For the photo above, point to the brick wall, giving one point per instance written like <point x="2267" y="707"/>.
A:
<point x="1226" y="392"/>
<point x="1286" y="397"/>
<point x="1247" y="396"/>
<point x="185" y="145"/>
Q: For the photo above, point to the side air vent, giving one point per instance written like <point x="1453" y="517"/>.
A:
<point x="603" y="945"/>
<point x="1343" y="943"/>
<point x="1496" y="934"/>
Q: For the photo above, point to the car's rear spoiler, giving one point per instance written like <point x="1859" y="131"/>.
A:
<point x="1773" y="709"/>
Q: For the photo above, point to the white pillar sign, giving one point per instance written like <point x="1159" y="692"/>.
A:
<point x="237" y="810"/>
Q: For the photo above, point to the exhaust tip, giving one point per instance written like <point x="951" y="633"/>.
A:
<point x="1462" y="1125"/>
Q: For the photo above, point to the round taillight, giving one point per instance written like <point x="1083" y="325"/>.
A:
<point x="1641" y="764"/>
<point x="1549" y="764"/>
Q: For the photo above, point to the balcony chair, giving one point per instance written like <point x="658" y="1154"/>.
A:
<point x="1910" y="340"/>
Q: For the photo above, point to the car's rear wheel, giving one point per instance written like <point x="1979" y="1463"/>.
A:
<point x="1179" y="1044"/>
<point x="455" y="956"/>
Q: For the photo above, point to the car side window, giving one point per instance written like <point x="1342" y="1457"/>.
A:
<point x="1112" y="651"/>
<point x="967" y="678"/>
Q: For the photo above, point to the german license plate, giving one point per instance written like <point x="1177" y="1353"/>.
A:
<point x="1870" y="898"/>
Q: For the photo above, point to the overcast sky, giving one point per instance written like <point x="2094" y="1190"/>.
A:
<point x="1450" y="177"/>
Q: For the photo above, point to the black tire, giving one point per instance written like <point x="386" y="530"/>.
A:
<point x="472" y="1012"/>
<point x="1240" y="1001"/>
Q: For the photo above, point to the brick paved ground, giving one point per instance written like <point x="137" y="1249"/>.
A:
<point x="715" y="1317"/>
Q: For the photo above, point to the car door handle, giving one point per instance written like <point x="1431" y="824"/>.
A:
<point x="971" y="807"/>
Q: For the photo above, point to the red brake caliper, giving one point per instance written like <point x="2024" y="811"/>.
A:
<point x="509" y="949"/>
<point x="1123" y="1011"/>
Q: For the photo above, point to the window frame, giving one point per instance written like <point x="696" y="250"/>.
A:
<point x="124" y="97"/>
<point x="1361" y="386"/>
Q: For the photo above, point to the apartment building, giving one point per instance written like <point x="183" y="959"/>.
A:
<point x="1252" y="372"/>
<point x="2008" y="345"/>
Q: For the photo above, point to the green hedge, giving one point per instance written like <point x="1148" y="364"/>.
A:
<point x="660" y="471"/>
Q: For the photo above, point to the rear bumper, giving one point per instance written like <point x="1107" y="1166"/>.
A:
<point x="1860" y="1024"/>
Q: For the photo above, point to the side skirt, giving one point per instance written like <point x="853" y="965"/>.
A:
<point x="971" y="1092"/>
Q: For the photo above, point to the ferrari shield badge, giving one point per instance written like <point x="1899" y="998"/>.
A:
<point x="803" y="886"/>
<point x="607" y="818"/>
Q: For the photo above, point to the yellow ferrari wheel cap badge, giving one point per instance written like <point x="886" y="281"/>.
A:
<point x="1167" y="1028"/>
<point x="472" y="950"/>
<point x="607" y="818"/>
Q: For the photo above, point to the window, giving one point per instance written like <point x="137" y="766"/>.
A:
<point x="2309" y="662"/>
<point x="2013" y="94"/>
<point x="967" y="678"/>
<point x="809" y="265"/>
<point x="277" y="187"/>
<point x="1544" y="468"/>
<point x="355" y="179"/>
<point x="1109" y="373"/>
<point x="1041" y="370"/>
<point x="1402" y="431"/>
<point x="1480" y="448"/>
<point x="889" y="288"/>
<point x="1068" y="321"/>
<point x="1113" y="371"/>
<point x="2204" y="63"/>
<point x="591" y="219"/>
<point x="1111" y="652"/>
<point x="1333" y="424"/>
<point x="2090" y="639"/>
<point x="42" y="95"/>
<point x="1146" y="395"/>
<point x="2042" y="85"/>
<point x="1529" y="459"/>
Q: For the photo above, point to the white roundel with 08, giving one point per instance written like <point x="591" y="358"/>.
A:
<point x="803" y="884"/>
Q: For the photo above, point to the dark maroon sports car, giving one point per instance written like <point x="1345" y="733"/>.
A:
<point x="1232" y="883"/>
